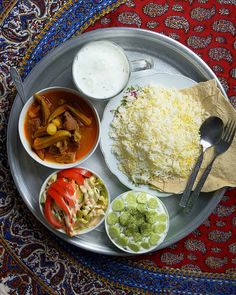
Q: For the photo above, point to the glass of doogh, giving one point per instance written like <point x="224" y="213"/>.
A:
<point x="101" y="69"/>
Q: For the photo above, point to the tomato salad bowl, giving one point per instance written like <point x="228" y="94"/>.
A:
<point x="74" y="201"/>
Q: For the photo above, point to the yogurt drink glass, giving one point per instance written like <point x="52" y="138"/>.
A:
<point x="101" y="69"/>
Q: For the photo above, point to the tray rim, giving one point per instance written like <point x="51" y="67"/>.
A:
<point x="166" y="39"/>
<point x="71" y="42"/>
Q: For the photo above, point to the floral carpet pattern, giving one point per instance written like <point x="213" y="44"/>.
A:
<point x="35" y="261"/>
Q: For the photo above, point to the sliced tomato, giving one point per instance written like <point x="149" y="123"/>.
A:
<point x="66" y="190"/>
<point x="51" y="218"/>
<point x="64" y="187"/>
<point x="69" y="186"/>
<point x="58" y="198"/>
<point x="83" y="172"/>
<point x="71" y="174"/>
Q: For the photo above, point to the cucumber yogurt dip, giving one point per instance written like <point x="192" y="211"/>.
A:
<point x="137" y="222"/>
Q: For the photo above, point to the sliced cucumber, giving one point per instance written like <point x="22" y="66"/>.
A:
<point x="142" y="198"/>
<point x="162" y="217"/>
<point x="132" y="227"/>
<point x="114" y="231"/>
<point x="127" y="232"/>
<point x="141" y="208"/>
<point x="118" y="205"/>
<point x="152" y="203"/>
<point x="137" y="237"/>
<point x="159" y="228"/>
<point x="130" y="198"/>
<point x="153" y="240"/>
<point x="134" y="247"/>
<point x="151" y="217"/>
<point x="112" y="218"/>
<point x="122" y="241"/>
<point x="145" y="229"/>
<point x="124" y="218"/>
<point x="145" y="245"/>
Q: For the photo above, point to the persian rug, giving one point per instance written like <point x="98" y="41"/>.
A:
<point x="33" y="260"/>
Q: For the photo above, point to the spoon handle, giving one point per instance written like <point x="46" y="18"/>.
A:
<point x="195" y="194"/>
<point x="19" y="84"/>
<point x="185" y="197"/>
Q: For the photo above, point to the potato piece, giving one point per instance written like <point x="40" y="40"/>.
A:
<point x="57" y="122"/>
<point x="51" y="129"/>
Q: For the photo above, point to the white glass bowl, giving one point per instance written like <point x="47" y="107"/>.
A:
<point x="137" y="222"/>
<point x="51" y="179"/>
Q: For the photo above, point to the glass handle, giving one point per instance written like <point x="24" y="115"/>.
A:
<point x="141" y="64"/>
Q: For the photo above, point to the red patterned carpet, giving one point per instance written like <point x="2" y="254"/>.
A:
<point x="34" y="261"/>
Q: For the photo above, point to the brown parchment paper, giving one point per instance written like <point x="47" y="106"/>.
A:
<point x="223" y="172"/>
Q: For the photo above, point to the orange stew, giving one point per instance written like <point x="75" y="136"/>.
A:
<point x="60" y="127"/>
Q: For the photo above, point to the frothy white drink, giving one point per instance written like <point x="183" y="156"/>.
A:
<point x="101" y="69"/>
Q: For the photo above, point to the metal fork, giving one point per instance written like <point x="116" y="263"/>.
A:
<point x="221" y="147"/>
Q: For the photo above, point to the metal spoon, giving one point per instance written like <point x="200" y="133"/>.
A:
<point x="19" y="84"/>
<point x="210" y="132"/>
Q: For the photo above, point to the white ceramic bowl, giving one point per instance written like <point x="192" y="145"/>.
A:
<point x="26" y="143"/>
<point x="158" y="229"/>
<point x="84" y="231"/>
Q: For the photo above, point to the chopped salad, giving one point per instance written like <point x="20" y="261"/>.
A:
<point x="74" y="200"/>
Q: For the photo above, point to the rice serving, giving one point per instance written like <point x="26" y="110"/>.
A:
<point x="155" y="133"/>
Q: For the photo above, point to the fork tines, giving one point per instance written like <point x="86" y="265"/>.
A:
<point x="229" y="131"/>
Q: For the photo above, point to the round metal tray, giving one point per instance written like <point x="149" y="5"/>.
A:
<point x="55" y="70"/>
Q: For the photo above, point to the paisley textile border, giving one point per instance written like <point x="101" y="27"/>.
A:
<point x="26" y="269"/>
<point x="116" y="275"/>
<point x="76" y="26"/>
<point x="154" y="279"/>
<point x="5" y="10"/>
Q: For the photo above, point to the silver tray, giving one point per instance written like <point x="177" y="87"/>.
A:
<point x="55" y="70"/>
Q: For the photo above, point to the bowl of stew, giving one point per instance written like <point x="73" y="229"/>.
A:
<point x="74" y="201"/>
<point x="58" y="128"/>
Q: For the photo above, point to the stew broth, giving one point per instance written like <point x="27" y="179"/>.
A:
<point x="55" y="99"/>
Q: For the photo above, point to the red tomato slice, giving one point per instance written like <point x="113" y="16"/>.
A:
<point x="66" y="185"/>
<point x="58" y="198"/>
<point x="51" y="218"/>
<point x="66" y="190"/>
<point x="71" y="174"/>
<point x="83" y="172"/>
